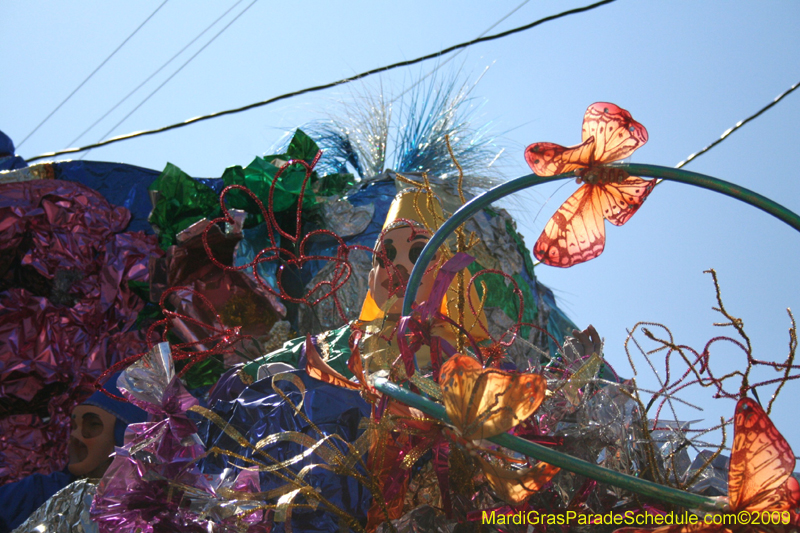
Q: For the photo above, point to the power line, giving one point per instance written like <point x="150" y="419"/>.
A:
<point x="327" y="85"/>
<point x="737" y="126"/>
<point x="443" y="63"/>
<point x="162" y="67"/>
<point x="220" y="32"/>
<point x="92" y="74"/>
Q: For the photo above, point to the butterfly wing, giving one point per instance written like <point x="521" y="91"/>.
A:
<point x="548" y="159"/>
<point x="483" y="403"/>
<point x="458" y="377"/>
<point x="576" y="232"/>
<point x="616" y="135"/>
<point x="516" y="486"/>
<point x="619" y="201"/>
<point x="789" y="494"/>
<point x="502" y="400"/>
<point x="761" y="463"/>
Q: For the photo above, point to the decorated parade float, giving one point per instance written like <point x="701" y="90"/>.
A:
<point x="325" y="340"/>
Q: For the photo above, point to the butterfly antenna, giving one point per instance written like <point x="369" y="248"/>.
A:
<point x="755" y="394"/>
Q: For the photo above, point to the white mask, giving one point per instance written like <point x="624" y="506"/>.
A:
<point x="91" y="441"/>
<point x="401" y="246"/>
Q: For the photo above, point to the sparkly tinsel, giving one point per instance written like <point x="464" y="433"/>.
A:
<point x="368" y="135"/>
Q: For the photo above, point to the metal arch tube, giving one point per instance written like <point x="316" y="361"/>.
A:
<point x="572" y="464"/>
<point x="561" y="460"/>
<point x="518" y="184"/>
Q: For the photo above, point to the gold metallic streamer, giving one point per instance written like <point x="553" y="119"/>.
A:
<point x="295" y="482"/>
<point x="581" y="378"/>
<point x="428" y="386"/>
<point x="416" y="452"/>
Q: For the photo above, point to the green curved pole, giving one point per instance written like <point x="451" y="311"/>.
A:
<point x="639" y="486"/>
<point x="653" y="171"/>
<point x="567" y="462"/>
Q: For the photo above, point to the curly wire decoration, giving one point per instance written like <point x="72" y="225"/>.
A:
<point x="342" y="271"/>
<point x="513" y="330"/>
<point x="309" y="170"/>
<point x="700" y="365"/>
<point x="274" y="253"/>
<point x="668" y="397"/>
<point x="222" y="339"/>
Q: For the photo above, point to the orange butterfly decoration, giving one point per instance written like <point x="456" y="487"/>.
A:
<point x="760" y="481"/>
<point x="576" y="232"/>
<point x="484" y="402"/>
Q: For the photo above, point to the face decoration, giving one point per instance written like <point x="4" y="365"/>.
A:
<point x="91" y="441"/>
<point x="396" y="254"/>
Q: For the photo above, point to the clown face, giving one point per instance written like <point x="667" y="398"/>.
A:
<point x="91" y="441"/>
<point x="401" y="247"/>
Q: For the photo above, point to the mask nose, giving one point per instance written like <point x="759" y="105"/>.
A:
<point x="75" y="428"/>
<point x="403" y="273"/>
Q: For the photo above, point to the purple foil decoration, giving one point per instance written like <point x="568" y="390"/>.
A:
<point x="145" y="488"/>
<point x="66" y="312"/>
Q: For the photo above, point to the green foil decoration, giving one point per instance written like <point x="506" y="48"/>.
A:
<point x="180" y="202"/>
<point x="333" y="346"/>
<point x="203" y="374"/>
<point x="259" y="175"/>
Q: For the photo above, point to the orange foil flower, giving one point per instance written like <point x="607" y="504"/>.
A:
<point x="484" y="402"/>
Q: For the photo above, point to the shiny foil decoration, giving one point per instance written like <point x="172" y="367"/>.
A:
<point x="66" y="510"/>
<point x="66" y="311"/>
<point x="324" y="316"/>
<point x="144" y="488"/>
<point x="345" y="218"/>
<point x="423" y="519"/>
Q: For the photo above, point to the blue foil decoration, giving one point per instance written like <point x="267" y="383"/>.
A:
<point x="259" y="411"/>
<point x="120" y="184"/>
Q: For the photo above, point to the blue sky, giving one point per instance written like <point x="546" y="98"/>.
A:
<point x="686" y="70"/>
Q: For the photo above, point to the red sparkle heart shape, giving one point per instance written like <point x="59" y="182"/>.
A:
<point x="298" y="225"/>
<point x="341" y="273"/>
<point x="287" y="258"/>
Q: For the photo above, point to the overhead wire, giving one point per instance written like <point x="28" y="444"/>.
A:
<point x="117" y="49"/>
<point x="443" y="63"/>
<point x="228" y="25"/>
<point x="327" y="85"/>
<point x="162" y="67"/>
<point x="738" y="125"/>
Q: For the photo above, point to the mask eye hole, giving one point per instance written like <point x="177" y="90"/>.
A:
<point x="415" y="251"/>
<point x="391" y="251"/>
<point x="92" y="426"/>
